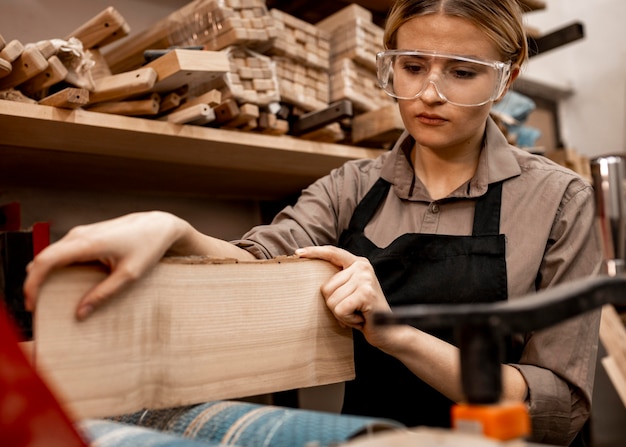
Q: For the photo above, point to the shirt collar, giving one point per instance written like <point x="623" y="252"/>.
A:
<point x="496" y="163"/>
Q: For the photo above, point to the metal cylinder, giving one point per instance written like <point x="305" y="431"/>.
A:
<point x="608" y="174"/>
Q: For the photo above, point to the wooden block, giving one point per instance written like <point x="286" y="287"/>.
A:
<point x="2" y="42"/>
<point x="198" y="114"/>
<point x="350" y="13"/>
<point x="46" y="48"/>
<point x="185" y="67"/>
<point x="124" y="85"/>
<point x="247" y="112"/>
<point x="226" y="111"/>
<point x="55" y="73"/>
<point x="68" y="98"/>
<point x="189" y="333"/>
<point x="212" y="98"/>
<point x="5" y="68"/>
<point x="29" y="64"/>
<point x="378" y="127"/>
<point x="613" y="337"/>
<point x="138" y="107"/>
<point x="170" y="101"/>
<point x="12" y="51"/>
<point x="107" y="26"/>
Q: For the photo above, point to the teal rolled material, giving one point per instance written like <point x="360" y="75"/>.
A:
<point x="103" y="433"/>
<point x="245" y="424"/>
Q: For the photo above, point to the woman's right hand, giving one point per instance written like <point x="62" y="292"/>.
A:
<point x="129" y="246"/>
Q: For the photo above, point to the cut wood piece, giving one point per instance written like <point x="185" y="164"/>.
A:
<point x="124" y="85"/>
<point x="270" y="124"/>
<point x="211" y="98"/>
<point x="12" y="51"/>
<point x="199" y="114"/>
<point x="5" y="68"/>
<point x="169" y="102"/>
<point x="617" y="377"/>
<point x="53" y="74"/>
<point x="106" y="27"/>
<point x="29" y="64"/>
<point x="2" y="42"/>
<point x="46" y="48"/>
<point x="247" y="112"/>
<point x="226" y="111"/>
<point x="185" y="67"/>
<point x="377" y="128"/>
<point x="188" y="333"/>
<point x="68" y="98"/>
<point x="613" y="338"/>
<point x="138" y="107"/>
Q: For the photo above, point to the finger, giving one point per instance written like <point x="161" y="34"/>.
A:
<point x="112" y="284"/>
<point x="38" y="270"/>
<point x="335" y="255"/>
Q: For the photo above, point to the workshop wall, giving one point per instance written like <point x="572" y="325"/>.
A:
<point x="593" y="118"/>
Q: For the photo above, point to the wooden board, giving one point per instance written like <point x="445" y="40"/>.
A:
<point x="613" y="337"/>
<point x="185" y="67"/>
<point x="188" y="333"/>
<point x="104" y="28"/>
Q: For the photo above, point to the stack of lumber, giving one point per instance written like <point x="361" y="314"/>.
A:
<point x="213" y="24"/>
<point x="301" y="53"/>
<point x="355" y="40"/>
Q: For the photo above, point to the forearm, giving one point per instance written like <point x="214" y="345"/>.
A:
<point x="187" y="241"/>
<point x="438" y="364"/>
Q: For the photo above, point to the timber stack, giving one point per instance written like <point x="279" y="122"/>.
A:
<point x="231" y="64"/>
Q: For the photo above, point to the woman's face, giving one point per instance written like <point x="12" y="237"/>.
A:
<point x="433" y="122"/>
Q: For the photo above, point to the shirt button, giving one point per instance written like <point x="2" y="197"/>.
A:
<point x="434" y="208"/>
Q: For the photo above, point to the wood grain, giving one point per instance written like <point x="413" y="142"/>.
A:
<point x="188" y="333"/>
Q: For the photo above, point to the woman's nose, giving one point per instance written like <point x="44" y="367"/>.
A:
<point x="431" y="94"/>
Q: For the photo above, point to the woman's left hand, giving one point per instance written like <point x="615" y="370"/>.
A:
<point x="354" y="293"/>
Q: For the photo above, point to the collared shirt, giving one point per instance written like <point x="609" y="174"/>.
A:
<point x="547" y="216"/>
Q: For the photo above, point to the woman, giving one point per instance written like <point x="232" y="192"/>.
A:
<point x="451" y="214"/>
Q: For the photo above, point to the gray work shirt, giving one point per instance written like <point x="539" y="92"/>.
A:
<point x="547" y="216"/>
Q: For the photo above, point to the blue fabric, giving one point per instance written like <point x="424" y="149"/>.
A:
<point x="253" y="425"/>
<point x="103" y="433"/>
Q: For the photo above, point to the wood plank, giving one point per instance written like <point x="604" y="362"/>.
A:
<point x="29" y="64"/>
<point x="12" y="51"/>
<point x="188" y="333"/>
<point x="613" y="337"/>
<point x="378" y="127"/>
<point x="185" y="67"/>
<point x="68" y="98"/>
<point x="198" y="114"/>
<point x="53" y="74"/>
<point x="124" y="85"/>
<point x="617" y="377"/>
<point x="5" y="68"/>
<point x="105" y="27"/>
<point x="138" y="107"/>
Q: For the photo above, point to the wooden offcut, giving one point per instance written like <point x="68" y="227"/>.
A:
<point x="29" y="64"/>
<point x="190" y="331"/>
<point x="377" y="128"/>
<point x="102" y="29"/>
<point x="68" y="98"/>
<point x="613" y="337"/>
<point x="124" y="85"/>
<point x="185" y="67"/>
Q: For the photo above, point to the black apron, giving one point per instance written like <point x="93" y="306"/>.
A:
<point x="421" y="269"/>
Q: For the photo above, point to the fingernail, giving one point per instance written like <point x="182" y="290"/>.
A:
<point x="84" y="311"/>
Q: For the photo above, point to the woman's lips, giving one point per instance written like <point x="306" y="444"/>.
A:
<point x="430" y="119"/>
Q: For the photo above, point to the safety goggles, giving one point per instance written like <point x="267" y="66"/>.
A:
<point x="459" y="80"/>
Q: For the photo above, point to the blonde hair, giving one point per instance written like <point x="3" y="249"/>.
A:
<point x="501" y="20"/>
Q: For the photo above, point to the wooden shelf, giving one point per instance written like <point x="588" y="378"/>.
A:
<point x="48" y="146"/>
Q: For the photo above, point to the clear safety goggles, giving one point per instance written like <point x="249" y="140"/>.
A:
<point x="459" y="80"/>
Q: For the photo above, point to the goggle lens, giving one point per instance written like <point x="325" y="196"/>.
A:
<point x="459" y="80"/>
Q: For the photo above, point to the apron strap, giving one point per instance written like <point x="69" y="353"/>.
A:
<point x="487" y="212"/>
